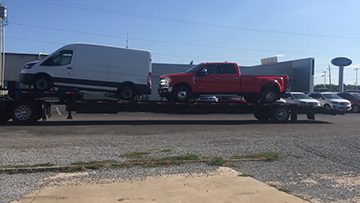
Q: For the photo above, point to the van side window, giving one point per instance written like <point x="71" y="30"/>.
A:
<point x="59" y="59"/>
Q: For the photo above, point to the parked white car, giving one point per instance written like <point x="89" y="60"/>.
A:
<point x="331" y="100"/>
<point x="299" y="98"/>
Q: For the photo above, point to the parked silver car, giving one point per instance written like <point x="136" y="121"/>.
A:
<point x="299" y="98"/>
<point x="331" y="100"/>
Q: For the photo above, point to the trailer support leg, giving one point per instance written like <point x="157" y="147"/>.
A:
<point x="293" y="114"/>
<point x="310" y="116"/>
<point x="69" y="115"/>
<point x="69" y="105"/>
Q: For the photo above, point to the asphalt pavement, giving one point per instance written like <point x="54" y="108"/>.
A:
<point x="319" y="161"/>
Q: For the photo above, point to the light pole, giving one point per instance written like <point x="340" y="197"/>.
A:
<point x="324" y="75"/>
<point x="356" y="69"/>
<point x="3" y="16"/>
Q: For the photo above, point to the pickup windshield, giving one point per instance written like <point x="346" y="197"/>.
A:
<point x="193" y="69"/>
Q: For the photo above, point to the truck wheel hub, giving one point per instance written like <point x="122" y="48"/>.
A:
<point x="23" y="112"/>
<point x="181" y="95"/>
<point x="269" y="96"/>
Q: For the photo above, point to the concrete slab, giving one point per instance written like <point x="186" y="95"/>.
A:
<point x="224" y="186"/>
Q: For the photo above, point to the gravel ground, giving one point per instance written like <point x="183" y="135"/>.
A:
<point x="321" y="166"/>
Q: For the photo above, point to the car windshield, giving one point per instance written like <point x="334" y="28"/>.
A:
<point x="301" y="96"/>
<point x="356" y="96"/>
<point x="331" y="96"/>
<point x="194" y="68"/>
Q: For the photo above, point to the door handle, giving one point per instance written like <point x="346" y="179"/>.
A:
<point x="216" y="78"/>
<point x="69" y="68"/>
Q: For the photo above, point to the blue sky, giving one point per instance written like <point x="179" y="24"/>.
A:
<point x="242" y="31"/>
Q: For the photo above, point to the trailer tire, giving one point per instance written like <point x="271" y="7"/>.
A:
<point x="24" y="112"/>
<point x="4" y="116"/>
<point x="280" y="114"/>
<point x="262" y="116"/>
<point x="42" y="83"/>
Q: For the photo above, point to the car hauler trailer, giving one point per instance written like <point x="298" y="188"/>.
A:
<point x="26" y="106"/>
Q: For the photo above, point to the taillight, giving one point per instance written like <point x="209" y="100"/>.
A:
<point x="149" y="79"/>
<point x="286" y="81"/>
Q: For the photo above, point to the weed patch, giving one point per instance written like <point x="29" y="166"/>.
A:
<point x="135" y="155"/>
<point x="268" y="156"/>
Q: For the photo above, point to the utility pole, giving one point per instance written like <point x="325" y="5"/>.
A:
<point x="3" y="16"/>
<point x="324" y="75"/>
<point x="329" y="78"/>
<point x="1" y="66"/>
<point x="127" y="40"/>
<point x="356" y="69"/>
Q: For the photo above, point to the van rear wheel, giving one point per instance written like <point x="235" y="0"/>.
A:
<point x="127" y="93"/>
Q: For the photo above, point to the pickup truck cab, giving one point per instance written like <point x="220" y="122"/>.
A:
<point x="221" y="78"/>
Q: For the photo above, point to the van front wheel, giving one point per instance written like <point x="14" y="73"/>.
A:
<point x="42" y="83"/>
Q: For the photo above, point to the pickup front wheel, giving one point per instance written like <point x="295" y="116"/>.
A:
<point x="182" y="94"/>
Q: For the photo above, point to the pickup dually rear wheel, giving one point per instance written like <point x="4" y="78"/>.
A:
<point x="269" y="95"/>
<point x="24" y="112"/>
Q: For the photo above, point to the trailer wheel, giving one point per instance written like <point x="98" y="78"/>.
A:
<point x="127" y="93"/>
<point x="42" y="83"/>
<point x="4" y="116"/>
<point x="269" y="95"/>
<point x="262" y="116"/>
<point x="24" y="112"/>
<point x="280" y="114"/>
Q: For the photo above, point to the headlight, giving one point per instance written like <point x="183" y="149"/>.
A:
<point x="164" y="82"/>
<point x="335" y="102"/>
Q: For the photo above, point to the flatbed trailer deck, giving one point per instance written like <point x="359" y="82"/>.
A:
<point x="26" y="106"/>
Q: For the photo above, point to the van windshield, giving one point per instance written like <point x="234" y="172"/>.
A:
<point x="59" y="59"/>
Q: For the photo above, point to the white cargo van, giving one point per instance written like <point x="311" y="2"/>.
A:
<point x="92" y="67"/>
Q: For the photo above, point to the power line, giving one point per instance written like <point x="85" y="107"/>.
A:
<point x="154" y="53"/>
<point x="167" y="42"/>
<point x="174" y="20"/>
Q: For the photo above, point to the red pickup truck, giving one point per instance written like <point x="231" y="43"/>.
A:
<point x="221" y="78"/>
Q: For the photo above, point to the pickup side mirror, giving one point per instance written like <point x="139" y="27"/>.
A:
<point x="202" y="72"/>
